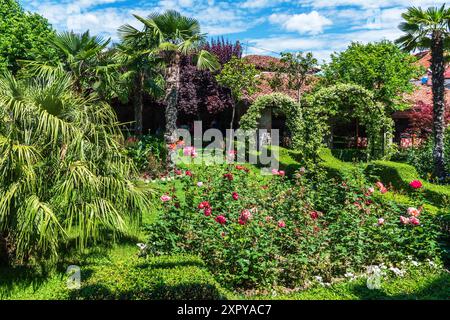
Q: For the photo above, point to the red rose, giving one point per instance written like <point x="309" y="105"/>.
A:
<point x="188" y="173"/>
<point x="228" y="176"/>
<point x="208" y="212"/>
<point x="314" y="215"/>
<point x="235" y="196"/>
<point x="221" y="219"/>
<point x="203" y="205"/>
<point x="416" y="184"/>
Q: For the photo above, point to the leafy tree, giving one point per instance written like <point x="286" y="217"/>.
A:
<point x="430" y="29"/>
<point x="295" y="68"/>
<point x="224" y="50"/>
<point x="176" y="35"/>
<point x="23" y="35"/>
<point x="140" y="69"/>
<point x="379" y="67"/>
<point x="64" y="172"/>
<point x="241" y="78"/>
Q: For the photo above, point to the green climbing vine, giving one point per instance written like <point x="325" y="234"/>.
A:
<point x="350" y="101"/>
<point x="280" y="104"/>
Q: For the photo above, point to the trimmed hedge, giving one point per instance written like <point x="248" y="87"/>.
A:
<point x="159" y="278"/>
<point x="116" y="276"/>
<point x="400" y="176"/>
<point x="339" y="169"/>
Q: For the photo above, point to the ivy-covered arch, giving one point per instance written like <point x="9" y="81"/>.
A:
<point x="280" y="104"/>
<point x="351" y="101"/>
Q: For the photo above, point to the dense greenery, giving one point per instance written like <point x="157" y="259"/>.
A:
<point x="65" y="175"/>
<point x="422" y="158"/>
<point x="379" y="67"/>
<point x="344" y="102"/>
<point x="253" y="232"/>
<point x="24" y="35"/>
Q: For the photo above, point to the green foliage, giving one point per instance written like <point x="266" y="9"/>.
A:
<point x="116" y="273"/>
<point x="295" y="67"/>
<point x="240" y="77"/>
<point x="330" y="228"/>
<point x="401" y="175"/>
<point x="280" y="104"/>
<point x="148" y="153"/>
<point x="161" y="278"/>
<point x="379" y="67"/>
<point x="422" y="158"/>
<point x="349" y="101"/>
<point x="23" y="35"/>
<point x="65" y="175"/>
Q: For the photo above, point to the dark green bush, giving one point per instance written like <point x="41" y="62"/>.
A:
<point x="148" y="153"/>
<point x="422" y="158"/>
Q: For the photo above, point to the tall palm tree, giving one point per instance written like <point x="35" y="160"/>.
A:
<point x="176" y="35"/>
<point x="64" y="172"/>
<point x="430" y="29"/>
<point x="140" y="66"/>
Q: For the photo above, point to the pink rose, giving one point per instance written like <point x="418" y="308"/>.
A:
<point x="379" y="185"/>
<point x="414" y="221"/>
<point x="275" y="172"/>
<point x="383" y="190"/>
<point x="314" y="215"/>
<point x="281" y="224"/>
<point x="165" y="198"/>
<point x="281" y="173"/>
<point x="414" y="212"/>
<point x="246" y="215"/>
<point x="404" y="220"/>
<point x="380" y="221"/>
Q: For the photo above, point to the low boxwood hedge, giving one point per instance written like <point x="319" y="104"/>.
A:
<point x="400" y="176"/>
<point x="160" y="278"/>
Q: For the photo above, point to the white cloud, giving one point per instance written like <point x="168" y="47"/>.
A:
<point x="310" y="23"/>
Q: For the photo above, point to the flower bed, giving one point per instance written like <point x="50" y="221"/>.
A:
<point x="261" y="232"/>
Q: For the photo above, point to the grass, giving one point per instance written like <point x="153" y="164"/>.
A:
<point x="117" y="273"/>
<point x="418" y="284"/>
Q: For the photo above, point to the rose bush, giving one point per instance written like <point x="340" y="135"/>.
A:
<point x="258" y="232"/>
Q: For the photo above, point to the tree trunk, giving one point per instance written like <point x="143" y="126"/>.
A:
<point x="437" y="67"/>
<point x="138" y="104"/>
<point x="171" y="99"/>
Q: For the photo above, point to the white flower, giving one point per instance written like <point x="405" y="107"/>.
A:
<point x="414" y="263"/>
<point x="142" y="246"/>
<point x="319" y="279"/>
<point x="199" y="184"/>
<point x="397" y="271"/>
<point x="349" y="275"/>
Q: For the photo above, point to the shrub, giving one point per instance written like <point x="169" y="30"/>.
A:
<point x="162" y="278"/>
<point x="65" y="176"/>
<point x="422" y="158"/>
<point x="255" y="231"/>
<point x="148" y="153"/>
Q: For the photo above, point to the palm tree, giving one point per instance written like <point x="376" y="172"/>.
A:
<point x="176" y="35"/>
<point x="64" y="173"/>
<point x="430" y="29"/>
<point x="140" y="66"/>
<point x="81" y="55"/>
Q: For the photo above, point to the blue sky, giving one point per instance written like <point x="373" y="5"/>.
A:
<point x="263" y="26"/>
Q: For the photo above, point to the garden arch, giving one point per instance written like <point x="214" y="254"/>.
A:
<point x="347" y="101"/>
<point x="280" y="104"/>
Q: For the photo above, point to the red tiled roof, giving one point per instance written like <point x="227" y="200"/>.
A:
<point x="264" y="87"/>
<point x="425" y="61"/>
<point x="424" y="94"/>
<point x="263" y="63"/>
